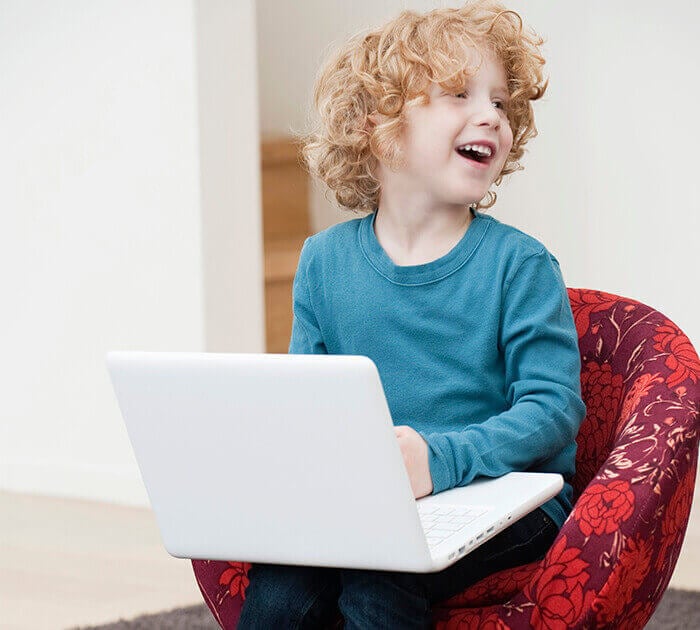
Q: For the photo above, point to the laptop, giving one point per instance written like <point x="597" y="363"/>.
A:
<point x="293" y="459"/>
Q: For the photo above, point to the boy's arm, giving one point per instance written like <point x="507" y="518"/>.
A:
<point x="306" y="333"/>
<point x="542" y="369"/>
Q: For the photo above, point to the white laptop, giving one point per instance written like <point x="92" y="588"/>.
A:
<point x="293" y="459"/>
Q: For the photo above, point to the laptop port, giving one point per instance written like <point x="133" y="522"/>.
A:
<point x="461" y="549"/>
<point x="489" y="530"/>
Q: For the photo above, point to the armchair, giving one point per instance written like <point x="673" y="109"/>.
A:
<point x="636" y="464"/>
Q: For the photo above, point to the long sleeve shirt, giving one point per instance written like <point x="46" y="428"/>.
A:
<point x="477" y="350"/>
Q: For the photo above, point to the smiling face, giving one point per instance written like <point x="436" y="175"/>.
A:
<point x="435" y="173"/>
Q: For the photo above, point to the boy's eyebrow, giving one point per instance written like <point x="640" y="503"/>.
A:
<point x="501" y="88"/>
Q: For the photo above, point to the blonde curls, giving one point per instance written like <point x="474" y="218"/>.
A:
<point x="390" y="68"/>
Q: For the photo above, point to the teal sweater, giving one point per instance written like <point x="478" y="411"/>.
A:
<point x="477" y="350"/>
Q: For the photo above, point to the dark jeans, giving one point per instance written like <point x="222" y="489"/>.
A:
<point x="289" y="596"/>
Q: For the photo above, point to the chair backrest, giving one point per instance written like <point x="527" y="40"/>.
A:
<point x="630" y="353"/>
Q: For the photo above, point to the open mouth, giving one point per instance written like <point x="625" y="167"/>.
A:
<point x="474" y="156"/>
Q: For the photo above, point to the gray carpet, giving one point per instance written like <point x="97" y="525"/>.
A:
<point x="678" y="610"/>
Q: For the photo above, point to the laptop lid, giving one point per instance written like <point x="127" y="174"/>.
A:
<point x="287" y="459"/>
<point x="269" y="457"/>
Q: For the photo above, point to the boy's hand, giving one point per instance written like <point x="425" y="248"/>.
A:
<point x="415" y="457"/>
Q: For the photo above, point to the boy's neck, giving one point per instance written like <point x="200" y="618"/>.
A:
<point x="416" y="238"/>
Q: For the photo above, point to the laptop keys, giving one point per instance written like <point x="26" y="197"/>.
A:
<point x="441" y="522"/>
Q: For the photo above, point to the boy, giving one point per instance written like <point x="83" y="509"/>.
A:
<point x="467" y="319"/>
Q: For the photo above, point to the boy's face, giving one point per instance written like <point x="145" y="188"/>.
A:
<point x="435" y="172"/>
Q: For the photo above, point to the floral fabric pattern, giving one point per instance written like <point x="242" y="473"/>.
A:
<point x="604" y="508"/>
<point x="635" y="474"/>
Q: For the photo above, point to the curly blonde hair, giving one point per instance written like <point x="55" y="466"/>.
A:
<point x="389" y="68"/>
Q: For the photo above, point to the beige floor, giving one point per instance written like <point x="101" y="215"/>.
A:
<point x="66" y="562"/>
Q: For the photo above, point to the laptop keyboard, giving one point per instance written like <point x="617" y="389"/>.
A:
<point x="442" y="521"/>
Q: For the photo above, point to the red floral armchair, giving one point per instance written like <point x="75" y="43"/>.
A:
<point x="636" y="463"/>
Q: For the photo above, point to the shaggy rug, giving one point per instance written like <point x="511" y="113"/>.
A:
<point x="678" y="610"/>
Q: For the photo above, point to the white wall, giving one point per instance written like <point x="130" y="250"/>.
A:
<point x="230" y="179"/>
<point x="103" y="190"/>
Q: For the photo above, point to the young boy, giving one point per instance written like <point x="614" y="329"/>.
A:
<point x="466" y="318"/>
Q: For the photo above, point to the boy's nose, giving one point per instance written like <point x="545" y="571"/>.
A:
<point x="484" y="117"/>
<point x="488" y="112"/>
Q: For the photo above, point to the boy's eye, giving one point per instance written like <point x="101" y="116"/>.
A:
<point x="501" y="104"/>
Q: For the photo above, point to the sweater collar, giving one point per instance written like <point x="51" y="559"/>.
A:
<point x="427" y="272"/>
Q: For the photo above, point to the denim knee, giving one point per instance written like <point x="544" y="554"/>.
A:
<point x="281" y="596"/>
<point x="383" y="599"/>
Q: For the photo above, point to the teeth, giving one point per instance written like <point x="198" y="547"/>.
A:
<point x="483" y="150"/>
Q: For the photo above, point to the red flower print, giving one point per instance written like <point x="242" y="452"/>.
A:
<point x="627" y="576"/>
<point x="665" y="334"/>
<point x="682" y="358"/>
<point x="557" y="589"/>
<point x="477" y="620"/>
<point x="602" y="391"/>
<point x="235" y="578"/>
<point x="495" y="588"/>
<point x="603" y="507"/>
<point x="641" y="387"/>
<point x="675" y="518"/>
<point x="583" y="304"/>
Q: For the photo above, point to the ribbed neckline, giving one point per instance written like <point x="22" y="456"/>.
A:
<point x="427" y="272"/>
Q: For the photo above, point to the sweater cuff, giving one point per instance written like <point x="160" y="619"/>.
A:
<point x="438" y="463"/>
